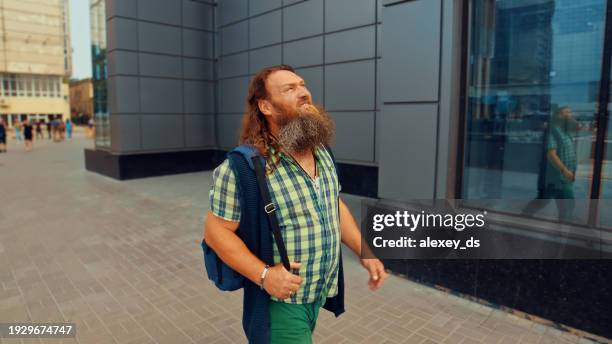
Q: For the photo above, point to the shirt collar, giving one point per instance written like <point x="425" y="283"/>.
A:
<point x="317" y="153"/>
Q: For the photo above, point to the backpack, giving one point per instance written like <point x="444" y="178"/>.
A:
<point x="224" y="277"/>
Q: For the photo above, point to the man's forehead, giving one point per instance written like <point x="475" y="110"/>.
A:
<point x="283" y="77"/>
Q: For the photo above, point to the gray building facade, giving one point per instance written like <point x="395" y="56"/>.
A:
<point x="178" y="73"/>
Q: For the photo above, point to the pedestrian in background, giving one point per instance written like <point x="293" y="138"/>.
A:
<point x="2" y="137"/>
<point x="49" y="128"/>
<point x="90" y="128"/>
<point x="62" y="129"/>
<point x="27" y="134"/>
<point x="55" y="130"/>
<point x="17" y="126"/>
<point x="39" y="134"/>
<point x="69" y="128"/>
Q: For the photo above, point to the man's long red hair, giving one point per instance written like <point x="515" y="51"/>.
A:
<point x="255" y="129"/>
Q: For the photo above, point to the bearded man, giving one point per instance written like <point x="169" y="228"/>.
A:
<point x="292" y="135"/>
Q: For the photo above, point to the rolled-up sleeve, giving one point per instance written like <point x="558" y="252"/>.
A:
<point x="223" y="196"/>
<point x="551" y="143"/>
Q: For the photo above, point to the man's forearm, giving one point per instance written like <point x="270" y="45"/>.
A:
<point x="553" y="157"/>
<point x="351" y="236"/>
<point x="232" y="250"/>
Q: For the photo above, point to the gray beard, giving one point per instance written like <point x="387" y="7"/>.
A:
<point x="303" y="133"/>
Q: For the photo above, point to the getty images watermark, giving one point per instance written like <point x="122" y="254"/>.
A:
<point x="459" y="230"/>
<point x="411" y="222"/>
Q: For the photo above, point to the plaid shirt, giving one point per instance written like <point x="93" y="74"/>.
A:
<point x="563" y="143"/>
<point x="307" y="214"/>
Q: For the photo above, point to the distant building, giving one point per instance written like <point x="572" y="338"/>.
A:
<point x="35" y="60"/>
<point x="81" y="99"/>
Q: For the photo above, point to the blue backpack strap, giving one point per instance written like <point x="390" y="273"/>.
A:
<point x="259" y="166"/>
<point x="248" y="151"/>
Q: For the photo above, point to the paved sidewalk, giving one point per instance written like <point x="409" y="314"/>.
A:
<point x="122" y="260"/>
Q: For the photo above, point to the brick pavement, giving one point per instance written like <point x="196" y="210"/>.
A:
<point x="122" y="260"/>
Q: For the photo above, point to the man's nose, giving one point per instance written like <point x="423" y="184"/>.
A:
<point x="303" y="93"/>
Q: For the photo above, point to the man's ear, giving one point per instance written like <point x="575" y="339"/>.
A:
<point x="264" y="106"/>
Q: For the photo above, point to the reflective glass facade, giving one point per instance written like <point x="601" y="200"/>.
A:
<point x="532" y="114"/>
<point x="99" y="73"/>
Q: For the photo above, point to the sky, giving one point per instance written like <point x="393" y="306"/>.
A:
<point x="80" y="40"/>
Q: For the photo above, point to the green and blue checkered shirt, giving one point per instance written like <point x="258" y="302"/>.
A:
<point x="307" y="214"/>
<point x="563" y="143"/>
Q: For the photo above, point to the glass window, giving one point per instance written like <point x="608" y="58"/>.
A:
<point x="56" y="87"/>
<point x="51" y="87"/>
<point x="101" y="116"/>
<point x="25" y="79"/>
<point x="533" y="82"/>
<point x="99" y="74"/>
<point x="48" y="90"/>
<point x="36" y="82"/>
<point x="12" y="85"/>
<point x="20" y="85"/>
<point x="43" y="86"/>
<point x="29" y="85"/>
<point x="2" y="86"/>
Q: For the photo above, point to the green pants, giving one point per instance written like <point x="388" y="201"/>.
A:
<point x="293" y="323"/>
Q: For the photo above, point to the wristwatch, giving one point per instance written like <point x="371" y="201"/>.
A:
<point x="263" y="276"/>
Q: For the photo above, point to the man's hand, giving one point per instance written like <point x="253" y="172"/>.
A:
<point x="281" y="283"/>
<point x="377" y="272"/>
<point x="569" y="175"/>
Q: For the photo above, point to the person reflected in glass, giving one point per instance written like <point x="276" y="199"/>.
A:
<point x="556" y="178"/>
